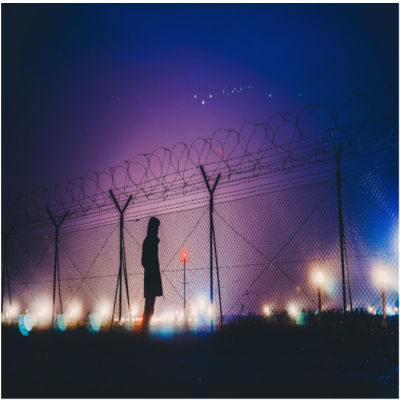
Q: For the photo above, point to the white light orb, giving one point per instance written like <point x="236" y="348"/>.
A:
<point x="293" y="311"/>
<point x="11" y="311"/>
<point x="318" y="278"/>
<point x="381" y="276"/>
<point x="371" y="310"/>
<point x="202" y="304"/>
<point x="74" y="311"/>
<point x="104" y="309"/>
<point x="42" y="311"/>
<point x="267" y="310"/>
<point x="134" y="310"/>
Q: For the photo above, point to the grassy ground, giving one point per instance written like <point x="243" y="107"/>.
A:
<point x="249" y="358"/>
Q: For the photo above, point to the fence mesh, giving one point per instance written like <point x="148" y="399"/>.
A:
<point x="276" y="222"/>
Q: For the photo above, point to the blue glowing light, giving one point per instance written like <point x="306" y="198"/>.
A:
<point x="60" y="325"/>
<point x="300" y="318"/>
<point x="94" y="323"/>
<point x="25" y="324"/>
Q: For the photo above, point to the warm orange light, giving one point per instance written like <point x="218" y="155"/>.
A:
<point x="184" y="256"/>
<point x="318" y="278"/>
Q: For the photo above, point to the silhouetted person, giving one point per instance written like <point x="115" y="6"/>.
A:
<point x="152" y="276"/>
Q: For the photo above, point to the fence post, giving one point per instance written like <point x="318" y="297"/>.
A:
<point x="56" y="262"/>
<point x="213" y="248"/>
<point x="342" y="238"/>
<point x="122" y="271"/>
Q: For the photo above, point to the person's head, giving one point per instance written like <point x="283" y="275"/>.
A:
<point x="152" y="228"/>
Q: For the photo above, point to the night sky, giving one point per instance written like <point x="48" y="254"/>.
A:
<point x="88" y="86"/>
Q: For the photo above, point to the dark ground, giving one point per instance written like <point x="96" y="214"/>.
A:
<point x="250" y="358"/>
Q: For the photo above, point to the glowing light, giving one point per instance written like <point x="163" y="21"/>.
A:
<point x="267" y="310"/>
<point x="42" y="311"/>
<point x="293" y="311"/>
<point x="381" y="276"/>
<point x="390" y="310"/>
<point x="104" y="310"/>
<point x="134" y="310"/>
<point x="94" y="323"/>
<point x="193" y="311"/>
<point x="193" y="321"/>
<point x="195" y="96"/>
<point x="74" y="311"/>
<point x="210" y="310"/>
<point x="270" y="95"/>
<point x="202" y="304"/>
<point x="11" y="311"/>
<point x="61" y="324"/>
<point x="154" y="320"/>
<point x="170" y="317"/>
<point x="25" y="323"/>
<point x="371" y="310"/>
<point x="203" y="102"/>
<point x="210" y="96"/>
<point x="184" y="256"/>
<point x="318" y="278"/>
<point x="180" y="316"/>
<point x="330" y="285"/>
<point x="21" y="326"/>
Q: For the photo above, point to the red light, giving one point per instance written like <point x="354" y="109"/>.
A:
<point x="184" y="256"/>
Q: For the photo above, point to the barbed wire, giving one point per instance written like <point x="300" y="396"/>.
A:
<point x="284" y="143"/>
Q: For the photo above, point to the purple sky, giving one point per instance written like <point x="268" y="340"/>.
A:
<point x="88" y="86"/>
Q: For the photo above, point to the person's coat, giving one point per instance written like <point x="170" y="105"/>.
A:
<point x="151" y="265"/>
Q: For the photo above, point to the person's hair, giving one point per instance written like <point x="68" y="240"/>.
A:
<point x="152" y="228"/>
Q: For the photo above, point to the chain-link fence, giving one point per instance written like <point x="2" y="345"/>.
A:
<point x="276" y="224"/>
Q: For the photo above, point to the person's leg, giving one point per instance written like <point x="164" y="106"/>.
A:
<point x="152" y="301"/>
<point x="148" y="312"/>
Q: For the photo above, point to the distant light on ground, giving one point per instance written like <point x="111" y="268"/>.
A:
<point x="61" y="324"/>
<point x="134" y="310"/>
<point x="104" y="310"/>
<point x="74" y="311"/>
<point x="10" y="312"/>
<point x="94" y="323"/>
<point x="293" y="311"/>
<point x="25" y="323"/>
<point x="371" y="310"/>
<point x="390" y="310"/>
<point x="267" y="310"/>
<point x="202" y="304"/>
<point x="42" y="311"/>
